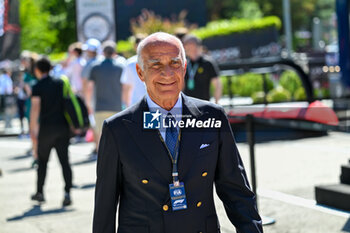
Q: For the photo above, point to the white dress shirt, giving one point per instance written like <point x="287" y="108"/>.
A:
<point x="131" y="78"/>
<point x="176" y="111"/>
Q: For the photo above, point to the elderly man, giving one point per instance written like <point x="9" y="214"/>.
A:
<point x="163" y="177"/>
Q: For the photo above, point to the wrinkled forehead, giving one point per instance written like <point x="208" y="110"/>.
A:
<point x="158" y="48"/>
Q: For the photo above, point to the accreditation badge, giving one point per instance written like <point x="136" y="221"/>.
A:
<point x="190" y="84"/>
<point x="178" y="196"/>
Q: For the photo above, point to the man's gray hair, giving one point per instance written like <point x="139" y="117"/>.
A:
<point x="159" y="36"/>
<point x="191" y="39"/>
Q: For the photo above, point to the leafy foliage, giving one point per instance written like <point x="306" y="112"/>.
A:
<point x="148" y="22"/>
<point x="47" y="25"/>
<point x="258" y="97"/>
<point x="300" y="94"/>
<point x="291" y="82"/>
<point x="63" y="19"/>
<point x="289" y="87"/>
<point x="35" y="27"/>
<point x="246" y="84"/>
<point x="302" y="11"/>
<point x="126" y="47"/>
<point x="57" y="57"/>
<point x="233" y="25"/>
<point x="50" y="25"/>
<point x="249" y="10"/>
<point x="278" y="95"/>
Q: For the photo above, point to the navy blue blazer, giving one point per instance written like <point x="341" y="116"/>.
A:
<point x="134" y="171"/>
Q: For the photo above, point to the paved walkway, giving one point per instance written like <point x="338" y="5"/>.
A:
<point x="287" y="173"/>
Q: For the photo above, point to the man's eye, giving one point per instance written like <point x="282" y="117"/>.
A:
<point x="175" y="63"/>
<point x="156" y="66"/>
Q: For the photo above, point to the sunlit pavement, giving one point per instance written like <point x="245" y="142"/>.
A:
<point x="287" y="172"/>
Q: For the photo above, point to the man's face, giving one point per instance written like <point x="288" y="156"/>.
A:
<point x="163" y="71"/>
<point x="193" y="51"/>
<point x="37" y="73"/>
<point x="90" y="53"/>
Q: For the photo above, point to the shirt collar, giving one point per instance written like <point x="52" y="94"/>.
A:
<point x="176" y="111"/>
<point x="44" y="76"/>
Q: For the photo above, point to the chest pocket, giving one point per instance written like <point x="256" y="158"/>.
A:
<point x="208" y="148"/>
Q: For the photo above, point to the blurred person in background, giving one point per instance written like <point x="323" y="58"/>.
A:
<point x="75" y="67"/>
<point x="27" y="62"/>
<point x="6" y="84"/>
<point x="181" y="32"/>
<point x="52" y="130"/>
<point x="6" y="90"/>
<point x="104" y="81"/>
<point x="119" y="58"/>
<point x="133" y="89"/>
<point x="201" y="71"/>
<point x="21" y="100"/>
<point x="73" y="72"/>
<point x="91" y="48"/>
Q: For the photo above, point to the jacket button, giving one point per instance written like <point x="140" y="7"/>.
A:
<point x="145" y="181"/>
<point x="165" y="207"/>
<point x="199" y="204"/>
<point x="204" y="174"/>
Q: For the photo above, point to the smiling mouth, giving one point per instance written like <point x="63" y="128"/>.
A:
<point x="167" y="84"/>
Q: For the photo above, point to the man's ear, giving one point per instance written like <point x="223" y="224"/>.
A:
<point x="140" y="72"/>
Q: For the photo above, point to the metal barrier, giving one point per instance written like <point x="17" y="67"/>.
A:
<point x="250" y="127"/>
<point x="264" y="66"/>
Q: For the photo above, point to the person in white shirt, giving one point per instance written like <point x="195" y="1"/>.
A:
<point x="133" y="89"/>
<point x="6" y="85"/>
<point x="6" y="89"/>
<point x="75" y="68"/>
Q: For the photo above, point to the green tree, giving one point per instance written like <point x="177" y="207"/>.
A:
<point x="36" y="34"/>
<point x="47" y="25"/>
<point x="291" y="82"/>
<point x="63" y="19"/>
<point x="249" y="10"/>
<point x="302" y="11"/>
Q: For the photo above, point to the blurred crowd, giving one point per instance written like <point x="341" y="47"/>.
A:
<point x="106" y="81"/>
<point x="100" y="80"/>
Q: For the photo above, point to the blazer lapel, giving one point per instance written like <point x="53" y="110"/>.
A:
<point x="155" y="151"/>
<point x="149" y="142"/>
<point x="190" y="139"/>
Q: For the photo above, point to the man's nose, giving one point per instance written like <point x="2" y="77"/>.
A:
<point x="167" y="71"/>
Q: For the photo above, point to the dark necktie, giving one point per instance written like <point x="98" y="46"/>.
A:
<point x="171" y="135"/>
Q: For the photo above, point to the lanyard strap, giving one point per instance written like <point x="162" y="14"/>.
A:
<point x="174" y="160"/>
<point x="192" y="69"/>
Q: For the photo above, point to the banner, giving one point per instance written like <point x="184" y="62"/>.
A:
<point x="95" y="19"/>
<point x="2" y="18"/>
<point x="257" y="44"/>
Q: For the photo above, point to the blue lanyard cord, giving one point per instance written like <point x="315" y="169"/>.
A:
<point x="192" y="70"/>
<point x="174" y="161"/>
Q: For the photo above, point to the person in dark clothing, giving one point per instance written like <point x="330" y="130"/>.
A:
<point x="201" y="71"/>
<point x="49" y="126"/>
